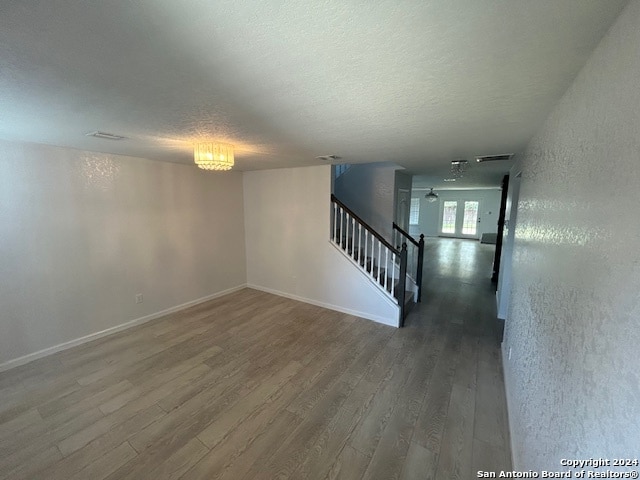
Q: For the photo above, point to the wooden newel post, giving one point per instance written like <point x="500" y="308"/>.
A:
<point x="402" y="281"/>
<point x="420" y="264"/>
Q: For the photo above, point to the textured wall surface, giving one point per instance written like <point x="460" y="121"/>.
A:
<point x="573" y="327"/>
<point x="82" y="233"/>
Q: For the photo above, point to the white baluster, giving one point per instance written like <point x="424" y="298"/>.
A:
<point x="343" y="226"/>
<point x="346" y="237"/>
<point x="373" y="256"/>
<point x="353" y="238"/>
<point x="393" y="283"/>
<point x="379" y="259"/>
<point x="335" y="221"/>
<point x="366" y="241"/>
<point x="386" y="268"/>
<point x="339" y="214"/>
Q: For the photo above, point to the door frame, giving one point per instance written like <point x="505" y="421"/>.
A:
<point x="511" y="216"/>
<point x="403" y="198"/>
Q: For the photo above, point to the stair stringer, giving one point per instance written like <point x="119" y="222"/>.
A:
<point x="364" y="282"/>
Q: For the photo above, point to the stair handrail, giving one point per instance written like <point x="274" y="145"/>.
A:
<point x="406" y="234"/>
<point x="420" y="262"/>
<point x="365" y="225"/>
<point x="393" y="257"/>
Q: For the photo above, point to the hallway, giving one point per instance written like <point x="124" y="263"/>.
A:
<point x="466" y="397"/>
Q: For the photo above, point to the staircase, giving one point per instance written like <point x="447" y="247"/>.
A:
<point x="380" y="261"/>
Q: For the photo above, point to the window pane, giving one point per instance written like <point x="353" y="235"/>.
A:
<point x="414" y="214"/>
<point x="470" y="219"/>
<point x="449" y="217"/>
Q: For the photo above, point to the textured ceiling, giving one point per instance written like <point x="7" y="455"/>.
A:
<point x="418" y="82"/>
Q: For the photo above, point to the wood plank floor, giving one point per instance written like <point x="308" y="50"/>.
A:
<point x="254" y="386"/>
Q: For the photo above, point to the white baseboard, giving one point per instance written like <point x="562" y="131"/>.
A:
<point x="506" y="365"/>
<point x="368" y="316"/>
<point x="16" y="362"/>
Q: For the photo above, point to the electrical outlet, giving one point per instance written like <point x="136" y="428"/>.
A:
<point x="139" y="298"/>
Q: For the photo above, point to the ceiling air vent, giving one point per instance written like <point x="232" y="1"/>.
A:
<point x="494" y="158"/>
<point x="329" y="157"/>
<point x="105" y="135"/>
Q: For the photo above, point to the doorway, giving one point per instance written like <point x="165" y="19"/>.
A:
<point x="402" y="208"/>
<point x="460" y="218"/>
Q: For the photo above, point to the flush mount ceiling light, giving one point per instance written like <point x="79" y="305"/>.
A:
<point x="458" y="167"/>
<point x="431" y="196"/>
<point x="213" y="156"/>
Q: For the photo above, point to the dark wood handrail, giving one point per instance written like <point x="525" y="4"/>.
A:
<point x="365" y="225"/>
<point x="420" y="245"/>
<point x="406" y="235"/>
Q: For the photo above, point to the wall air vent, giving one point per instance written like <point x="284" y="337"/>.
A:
<point x="105" y="135"/>
<point x="494" y="158"/>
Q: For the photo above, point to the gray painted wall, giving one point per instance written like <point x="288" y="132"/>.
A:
<point x="369" y="190"/>
<point x="290" y="255"/>
<point x="402" y="182"/>
<point x="82" y="233"/>
<point x="431" y="213"/>
<point x="573" y="326"/>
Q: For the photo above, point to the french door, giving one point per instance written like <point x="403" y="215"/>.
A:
<point x="460" y="218"/>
